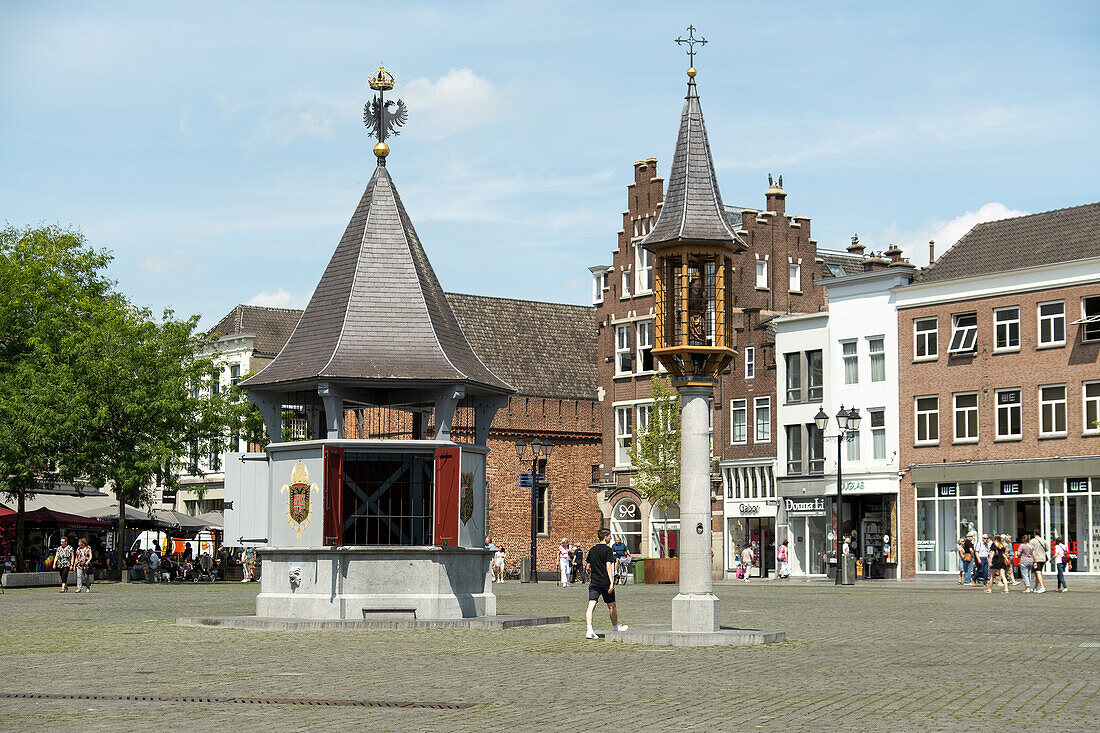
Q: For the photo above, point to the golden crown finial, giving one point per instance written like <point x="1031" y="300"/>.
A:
<point x="299" y="475"/>
<point x="381" y="80"/>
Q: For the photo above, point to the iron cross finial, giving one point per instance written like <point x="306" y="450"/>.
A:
<point x="691" y="40"/>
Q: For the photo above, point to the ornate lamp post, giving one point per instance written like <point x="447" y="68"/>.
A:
<point x="539" y="449"/>
<point x="847" y="422"/>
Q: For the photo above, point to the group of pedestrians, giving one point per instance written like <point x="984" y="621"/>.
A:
<point x="79" y="559"/>
<point x="989" y="559"/>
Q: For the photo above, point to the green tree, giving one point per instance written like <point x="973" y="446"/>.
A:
<point x="50" y="281"/>
<point x="656" y="451"/>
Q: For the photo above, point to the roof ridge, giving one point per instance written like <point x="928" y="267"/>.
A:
<point x="1036" y="213"/>
<point x="519" y="300"/>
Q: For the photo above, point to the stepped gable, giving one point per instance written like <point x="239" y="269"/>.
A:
<point x="378" y="313"/>
<point x="1034" y="240"/>
<point x="692" y="209"/>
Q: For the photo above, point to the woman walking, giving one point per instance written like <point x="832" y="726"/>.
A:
<point x="564" y="561"/>
<point x="959" y="553"/>
<point x="997" y="564"/>
<point x="1042" y="554"/>
<point x="784" y="565"/>
<point x="1061" y="563"/>
<point x="83" y="566"/>
<point x="1026" y="553"/>
<point x="63" y="561"/>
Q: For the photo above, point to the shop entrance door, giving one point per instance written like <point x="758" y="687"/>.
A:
<point x="762" y="537"/>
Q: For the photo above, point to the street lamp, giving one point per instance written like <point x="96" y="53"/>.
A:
<point x="848" y="426"/>
<point x="539" y="449"/>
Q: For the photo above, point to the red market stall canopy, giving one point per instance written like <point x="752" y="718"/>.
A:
<point x="50" y="517"/>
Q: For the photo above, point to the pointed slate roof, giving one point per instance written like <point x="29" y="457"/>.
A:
<point x="379" y="314"/>
<point x="692" y="209"/>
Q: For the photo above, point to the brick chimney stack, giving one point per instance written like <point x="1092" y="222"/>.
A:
<point x="776" y="196"/>
<point x="931" y="251"/>
<point x="855" y="247"/>
<point x="875" y="262"/>
<point x="894" y="253"/>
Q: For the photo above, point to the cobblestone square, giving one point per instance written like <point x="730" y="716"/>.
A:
<point x="877" y="656"/>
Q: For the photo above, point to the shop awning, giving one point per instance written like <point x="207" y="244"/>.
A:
<point x="52" y="518"/>
<point x="213" y="520"/>
<point x="178" y="520"/>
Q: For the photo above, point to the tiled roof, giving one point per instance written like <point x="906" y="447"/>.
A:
<point x="849" y="264"/>
<point x="378" y="312"/>
<point x="1047" y="238"/>
<point x="692" y="210"/>
<point x="271" y="326"/>
<point x="542" y="349"/>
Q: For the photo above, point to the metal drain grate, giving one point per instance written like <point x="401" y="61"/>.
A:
<point x="241" y="700"/>
<point x="1090" y="645"/>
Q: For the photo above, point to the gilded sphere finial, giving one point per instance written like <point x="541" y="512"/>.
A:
<point x="692" y="72"/>
<point x="381" y="150"/>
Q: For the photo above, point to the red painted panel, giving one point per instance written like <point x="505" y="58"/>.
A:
<point x="332" y="530"/>
<point x="447" y="496"/>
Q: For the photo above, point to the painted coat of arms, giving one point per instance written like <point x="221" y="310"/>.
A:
<point x="298" y="510"/>
<point x="466" y="507"/>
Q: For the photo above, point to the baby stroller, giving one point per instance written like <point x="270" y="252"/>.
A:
<point x="205" y="569"/>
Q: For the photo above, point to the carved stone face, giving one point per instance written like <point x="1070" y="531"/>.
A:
<point x="295" y="577"/>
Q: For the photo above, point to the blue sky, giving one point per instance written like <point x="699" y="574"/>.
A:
<point x="218" y="149"/>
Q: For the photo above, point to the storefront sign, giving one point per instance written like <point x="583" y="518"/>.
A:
<point x="1010" y="487"/>
<point x="850" y="486"/>
<point x="947" y="489"/>
<point x="748" y="509"/>
<point x="753" y="509"/>
<point x="810" y="508"/>
<point x="1077" y="485"/>
<point x="168" y="496"/>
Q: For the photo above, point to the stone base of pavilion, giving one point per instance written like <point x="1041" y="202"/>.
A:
<point x="722" y="637"/>
<point x="256" y="623"/>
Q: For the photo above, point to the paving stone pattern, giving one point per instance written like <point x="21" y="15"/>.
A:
<point x="882" y="656"/>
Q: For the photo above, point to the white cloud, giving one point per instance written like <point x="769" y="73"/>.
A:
<point x="944" y="233"/>
<point x="164" y="263"/>
<point x="279" y="299"/>
<point x="458" y="100"/>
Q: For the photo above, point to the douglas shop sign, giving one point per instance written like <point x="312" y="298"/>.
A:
<point x="811" y="508"/>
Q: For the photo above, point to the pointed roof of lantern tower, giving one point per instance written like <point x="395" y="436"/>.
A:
<point x="378" y="313"/>
<point x="692" y="209"/>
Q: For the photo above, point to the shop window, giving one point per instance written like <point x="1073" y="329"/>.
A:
<point x="1009" y="423"/>
<point x="964" y="334"/>
<point x="750" y="362"/>
<point x="1091" y="391"/>
<point x="1052" y="410"/>
<point x="795" y="277"/>
<point x="763" y="410"/>
<point x="1052" y="323"/>
<point x="794" y="449"/>
<point x="1006" y="329"/>
<point x="738" y="428"/>
<point x="643" y="262"/>
<point x="877" y="346"/>
<point x="966" y="417"/>
<point x="624" y="361"/>
<point x="1090" y="318"/>
<point x="645" y="346"/>
<point x="794" y="376"/>
<point x="928" y="420"/>
<point x="815" y="371"/>
<point x="925" y="339"/>
<point x="878" y="434"/>
<point x="851" y="361"/>
<point x="762" y="274"/>
<point x="623" y="435"/>
<point x="626" y="522"/>
<point x="816" y="442"/>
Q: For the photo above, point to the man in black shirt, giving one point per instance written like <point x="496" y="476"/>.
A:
<point x="601" y="568"/>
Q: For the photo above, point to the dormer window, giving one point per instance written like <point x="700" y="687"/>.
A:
<point x="964" y="334"/>
<point x="599" y="286"/>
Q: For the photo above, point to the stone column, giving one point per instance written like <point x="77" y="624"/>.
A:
<point x="695" y="608"/>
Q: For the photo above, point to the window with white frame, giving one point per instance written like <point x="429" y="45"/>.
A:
<point x="877" y="346"/>
<point x="1009" y="422"/>
<point x="964" y="333"/>
<point x="966" y="417"/>
<point x="1052" y="323"/>
<point x="624" y="435"/>
<point x="762" y="273"/>
<point x="815" y="372"/>
<point x="643" y="262"/>
<point x="599" y="285"/>
<point x="878" y="434"/>
<point x="794" y="376"/>
<point x="738" y="426"/>
<point x="1006" y="329"/>
<point x="925" y="338"/>
<point x="762" y="406"/>
<point x="1052" y="409"/>
<point x="1091" y="396"/>
<point x="795" y="277"/>
<point x="851" y="447"/>
<point x="626" y="283"/>
<point x="816" y="443"/>
<point x="849" y="353"/>
<point x="794" y="449"/>
<point x="623" y="358"/>
<point x="750" y="362"/>
<point x="644" y="411"/>
<point x="645" y="346"/>
<point x="1090" y="318"/>
<point x="928" y="419"/>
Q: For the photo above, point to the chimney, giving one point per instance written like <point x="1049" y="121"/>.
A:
<point x="855" y="247"/>
<point x="776" y="197"/>
<point x="894" y="253"/>
<point x="931" y="251"/>
<point x="875" y="262"/>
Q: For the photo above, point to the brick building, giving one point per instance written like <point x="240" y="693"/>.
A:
<point x="776" y="274"/>
<point x="1000" y="388"/>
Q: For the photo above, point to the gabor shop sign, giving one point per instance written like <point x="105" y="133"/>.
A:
<point x="809" y="508"/>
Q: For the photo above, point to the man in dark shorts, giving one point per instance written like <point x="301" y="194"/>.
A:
<point x="601" y="568"/>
